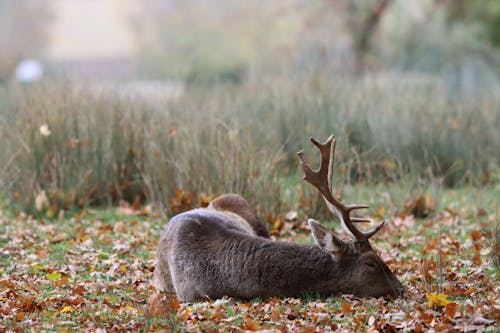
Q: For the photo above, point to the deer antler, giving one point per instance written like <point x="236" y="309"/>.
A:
<point x="321" y="179"/>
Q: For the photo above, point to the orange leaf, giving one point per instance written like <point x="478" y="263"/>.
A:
<point x="450" y="309"/>
<point x="179" y="194"/>
<point x="218" y="315"/>
<point x="346" y="307"/>
<point x="470" y="290"/>
<point x="476" y="235"/>
<point x="161" y="304"/>
<point x="251" y="325"/>
<point x="19" y="315"/>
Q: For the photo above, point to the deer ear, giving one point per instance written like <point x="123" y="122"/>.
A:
<point x="325" y="238"/>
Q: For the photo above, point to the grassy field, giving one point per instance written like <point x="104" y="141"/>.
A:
<point x="418" y="152"/>
<point x="90" y="270"/>
<point x="73" y="148"/>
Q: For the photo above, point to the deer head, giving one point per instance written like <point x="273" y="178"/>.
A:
<point x="364" y="272"/>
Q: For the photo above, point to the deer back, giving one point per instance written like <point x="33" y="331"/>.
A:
<point x="210" y="256"/>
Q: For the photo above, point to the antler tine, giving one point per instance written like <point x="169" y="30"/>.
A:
<point x="374" y="230"/>
<point x="321" y="179"/>
<point x="327" y="152"/>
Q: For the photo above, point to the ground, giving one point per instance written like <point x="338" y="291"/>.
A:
<point x="91" y="271"/>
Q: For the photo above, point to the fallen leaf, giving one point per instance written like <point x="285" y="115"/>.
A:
<point x="481" y="321"/>
<point x="67" y="309"/>
<point x="162" y="304"/>
<point x="346" y="307"/>
<point x="450" y="309"/>
<point x="291" y="215"/>
<point x="251" y="325"/>
<point x="482" y="212"/>
<point x="476" y="235"/>
<point x="275" y="314"/>
<point x="54" y="276"/>
<point x="19" y="315"/>
<point x="439" y="300"/>
<point x="129" y="308"/>
<point x="277" y="224"/>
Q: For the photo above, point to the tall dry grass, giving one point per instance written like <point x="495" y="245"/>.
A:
<point x="239" y="138"/>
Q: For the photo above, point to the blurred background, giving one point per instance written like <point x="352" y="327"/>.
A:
<point x="230" y="40"/>
<point x="109" y="100"/>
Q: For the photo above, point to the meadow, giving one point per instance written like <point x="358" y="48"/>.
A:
<point x="74" y="148"/>
<point x="91" y="270"/>
<point x="89" y="180"/>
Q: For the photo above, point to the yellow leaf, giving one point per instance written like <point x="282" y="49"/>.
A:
<point x="388" y="164"/>
<point x="380" y="211"/>
<point x="277" y="224"/>
<point x="3" y="299"/>
<point x="67" y="309"/>
<point x="51" y="212"/>
<point x="123" y="268"/>
<point x="129" y="308"/>
<point x="54" y="276"/>
<point x="437" y="299"/>
<point x="37" y="267"/>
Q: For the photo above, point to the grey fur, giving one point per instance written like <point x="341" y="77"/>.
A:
<point x="207" y="253"/>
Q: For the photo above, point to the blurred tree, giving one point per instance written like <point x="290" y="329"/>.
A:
<point x="341" y="32"/>
<point x="221" y="39"/>
<point x="484" y="12"/>
<point x="23" y="32"/>
<point x="430" y="37"/>
<point x="363" y="20"/>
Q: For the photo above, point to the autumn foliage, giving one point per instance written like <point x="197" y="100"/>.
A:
<point x="91" y="271"/>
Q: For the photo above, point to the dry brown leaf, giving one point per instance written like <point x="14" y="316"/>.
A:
<point x="19" y="315"/>
<point x="160" y="304"/>
<point x="251" y="325"/>
<point x="450" y="310"/>
<point x="275" y="315"/>
<point x="346" y="307"/>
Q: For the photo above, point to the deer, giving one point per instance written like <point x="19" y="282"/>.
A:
<point x="225" y="250"/>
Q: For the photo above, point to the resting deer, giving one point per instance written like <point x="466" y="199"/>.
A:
<point x="224" y="250"/>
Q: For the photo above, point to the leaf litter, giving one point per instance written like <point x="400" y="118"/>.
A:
<point x="92" y="272"/>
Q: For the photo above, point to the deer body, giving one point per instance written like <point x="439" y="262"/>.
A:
<point x="224" y="250"/>
<point x="230" y="261"/>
